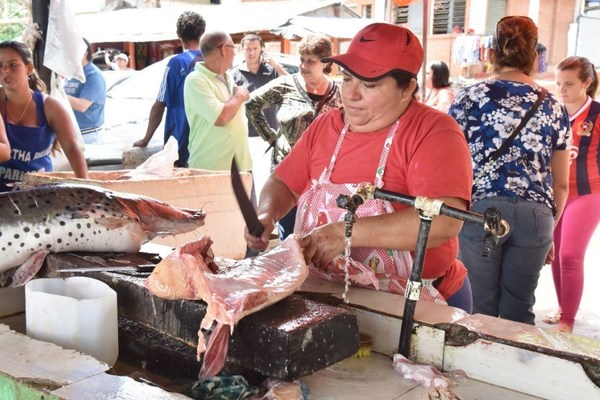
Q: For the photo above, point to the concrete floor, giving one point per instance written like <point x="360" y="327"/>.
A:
<point x="373" y="378"/>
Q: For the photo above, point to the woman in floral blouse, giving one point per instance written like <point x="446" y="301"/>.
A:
<point x="528" y="182"/>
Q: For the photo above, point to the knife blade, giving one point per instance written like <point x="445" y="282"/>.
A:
<point x="248" y="212"/>
<point x="129" y="268"/>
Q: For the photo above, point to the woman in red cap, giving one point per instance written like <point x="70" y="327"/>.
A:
<point x="381" y="136"/>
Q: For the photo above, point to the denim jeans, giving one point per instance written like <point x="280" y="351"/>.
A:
<point x="462" y="299"/>
<point x="285" y="226"/>
<point x="504" y="283"/>
<point x="254" y="200"/>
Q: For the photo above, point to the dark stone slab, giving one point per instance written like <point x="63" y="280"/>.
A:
<point x="296" y="337"/>
<point x="289" y="339"/>
<point x="150" y="350"/>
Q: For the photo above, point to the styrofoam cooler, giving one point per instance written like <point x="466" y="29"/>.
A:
<point x="77" y="313"/>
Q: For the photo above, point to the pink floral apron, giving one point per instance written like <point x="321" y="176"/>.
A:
<point x="317" y="206"/>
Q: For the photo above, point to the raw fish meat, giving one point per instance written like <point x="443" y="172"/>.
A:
<point x="231" y="290"/>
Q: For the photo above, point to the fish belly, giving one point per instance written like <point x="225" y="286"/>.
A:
<point x="20" y="241"/>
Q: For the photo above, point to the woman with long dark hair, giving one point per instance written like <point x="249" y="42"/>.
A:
<point x="35" y="123"/>
<point x="439" y="91"/>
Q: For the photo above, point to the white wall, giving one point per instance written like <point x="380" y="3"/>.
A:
<point x="476" y="22"/>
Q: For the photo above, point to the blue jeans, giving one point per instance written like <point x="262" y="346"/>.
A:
<point x="462" y="299"/>
<point x="285" y="226"/>
<point x="504" y="283"/>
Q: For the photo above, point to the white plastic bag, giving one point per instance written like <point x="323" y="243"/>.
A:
<point x="59" y="160"/>
<point x="159" y="164"/>
<point x="64" y="44"/>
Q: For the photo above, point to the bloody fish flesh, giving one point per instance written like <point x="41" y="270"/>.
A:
<point x="230" y="291"/>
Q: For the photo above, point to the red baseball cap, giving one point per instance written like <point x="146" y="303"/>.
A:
<point x="379" y="49"/>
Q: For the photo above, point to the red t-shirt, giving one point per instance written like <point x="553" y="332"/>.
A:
<point x="584" y="173"/>
<point x="429" y="157"/>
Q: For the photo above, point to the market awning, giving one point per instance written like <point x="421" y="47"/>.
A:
<point x="158" y="24"/>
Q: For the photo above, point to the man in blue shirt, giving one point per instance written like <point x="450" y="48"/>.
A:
<point x="87" y="98"/>
<point x="190" y="26"/>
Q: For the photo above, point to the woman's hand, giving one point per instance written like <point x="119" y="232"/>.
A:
<point x="260" y="243"/>
<point x="550" y="255"/>
<point x="323" y="243"/>
<point x="275" y="201"/>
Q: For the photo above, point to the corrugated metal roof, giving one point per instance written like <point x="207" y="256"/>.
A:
<point x="158" y="24"/>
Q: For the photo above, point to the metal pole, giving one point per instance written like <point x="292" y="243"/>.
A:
<point x="39" y="13"/>
<point x="429" y="209"/>
<point x="414" y="287"/>
<point x="425" y="32"/>
<point x="467" y="216"/>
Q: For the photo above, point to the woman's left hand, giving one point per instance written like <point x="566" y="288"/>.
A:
<point x="550" y="255"/>
<point x="323" y="243"/>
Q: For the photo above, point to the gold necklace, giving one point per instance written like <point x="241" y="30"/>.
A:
<point x="16" y="121"/>
<point x="315" y="89"/>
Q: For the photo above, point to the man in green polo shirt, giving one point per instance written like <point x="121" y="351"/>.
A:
<point x="215" y="110"/>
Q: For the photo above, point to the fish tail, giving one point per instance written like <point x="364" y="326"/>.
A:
<point x="216" y="351"/>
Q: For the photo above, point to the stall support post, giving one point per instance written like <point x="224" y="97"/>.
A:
<point x="40" y="11"/>
<point x="414" y="286"/>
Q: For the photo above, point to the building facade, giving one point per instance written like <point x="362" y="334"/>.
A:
<point x="448" y="20"/>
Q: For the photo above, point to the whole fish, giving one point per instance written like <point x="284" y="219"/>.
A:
<point x="63" y="218"/>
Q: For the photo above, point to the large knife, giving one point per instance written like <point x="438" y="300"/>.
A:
<point x="126" y="268"/>
<point x="248" y="212"/>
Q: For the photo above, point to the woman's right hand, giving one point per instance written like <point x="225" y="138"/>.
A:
<point x="260" y="243"/>
<point x="276" y="200"/>
<point x="550" y="255"/>
<point x="140" y="143"/>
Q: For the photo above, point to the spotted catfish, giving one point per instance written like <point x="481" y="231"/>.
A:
<point x="61" y="218"/>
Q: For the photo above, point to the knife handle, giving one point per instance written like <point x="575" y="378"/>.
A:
<point x="258" y="230"/>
